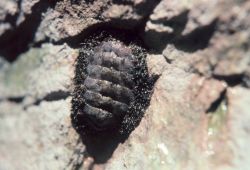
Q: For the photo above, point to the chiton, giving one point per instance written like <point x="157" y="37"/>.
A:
<point x="111" y="87"/>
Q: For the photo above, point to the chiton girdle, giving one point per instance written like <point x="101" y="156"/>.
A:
<point x="111" y="87"/>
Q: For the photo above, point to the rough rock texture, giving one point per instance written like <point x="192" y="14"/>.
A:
<point x="69" y="18"/>
<point x="13" y="12"/>
<point x="47" y="69"/>
<point x="199" y="113"/>
<point x="35" y="124"/>
<point x="8" y="9"/>
<point x="32" y="144"/>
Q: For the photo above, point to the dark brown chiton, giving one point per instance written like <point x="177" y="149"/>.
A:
<point x="112" y="87"/>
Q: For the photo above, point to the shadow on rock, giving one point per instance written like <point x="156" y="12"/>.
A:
<point x="101" y="146"/>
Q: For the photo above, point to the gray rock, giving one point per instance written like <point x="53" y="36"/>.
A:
<point x="8" y="8"/>
<point x="39" y="72"/>
<point x="37" y="129"/>
<point x="39" y="137"/>
<point x="238" y="134"/>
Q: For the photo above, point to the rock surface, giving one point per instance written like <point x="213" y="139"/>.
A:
<point x="199" y="113"/>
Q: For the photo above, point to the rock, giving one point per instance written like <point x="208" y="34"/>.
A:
<point x="35" y="110"/>
<point x="226" y="55"/>
<point x="238" y="134"/>
<point x="58" y="25"/>
<point x="4" y="27"/>
<point x="13" y="13"/>
<point x="8" y="9"/>
<point x="164" y="136"/>
<point x="26" y="9"/>
<point x="3" y="65"/>
<point x="156" y="64"/>
<point x="246" y="78"/>
<point x="166" y="21"/>
<point x="189" y="137"/>
<point x="39" y="72"/>
<point x="39" y="133"/>
<point x="198" y="117"/>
